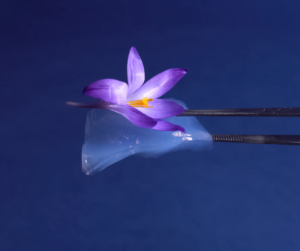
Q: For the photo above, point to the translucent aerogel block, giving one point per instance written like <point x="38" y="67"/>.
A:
<point x="109" y="137"/>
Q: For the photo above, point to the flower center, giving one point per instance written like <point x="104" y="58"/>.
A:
<point x="140" y="103"/>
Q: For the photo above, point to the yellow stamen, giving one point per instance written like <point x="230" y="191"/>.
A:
<point x="140" y="103"/>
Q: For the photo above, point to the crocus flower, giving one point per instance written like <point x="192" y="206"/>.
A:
<point x="137" y="102"/>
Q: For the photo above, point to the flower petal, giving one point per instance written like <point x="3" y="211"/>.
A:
<point x="133" y="115"/>
<point x="162" y="108"/>
<point x="135" y="71"/>
<point x="109" y="90"/>
<point x="159" y="84"/>
<point x="163" y="125"/>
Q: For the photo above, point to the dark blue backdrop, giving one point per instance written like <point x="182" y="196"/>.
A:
<point x="234" y="197"/>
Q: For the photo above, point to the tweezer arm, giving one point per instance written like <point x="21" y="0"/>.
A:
<point x="249" y="112"/>
<point x="258" y="139"/>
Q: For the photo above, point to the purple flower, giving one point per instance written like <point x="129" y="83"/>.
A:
<point x="137" y="102"/>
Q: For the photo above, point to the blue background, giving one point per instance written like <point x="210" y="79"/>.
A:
<point x="234" y="197"/>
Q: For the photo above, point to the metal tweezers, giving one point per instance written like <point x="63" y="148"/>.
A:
<point x="251" y="112"/>
<point x="246" y="112"/>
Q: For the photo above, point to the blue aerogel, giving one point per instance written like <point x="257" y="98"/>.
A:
<point x="109" y="138"/>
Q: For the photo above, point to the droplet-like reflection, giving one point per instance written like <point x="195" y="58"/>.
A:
<point x="109" y="137"/>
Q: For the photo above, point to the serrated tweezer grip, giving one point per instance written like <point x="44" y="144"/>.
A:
<point x="248" y="112"/>
<point x="258" y="139"/>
